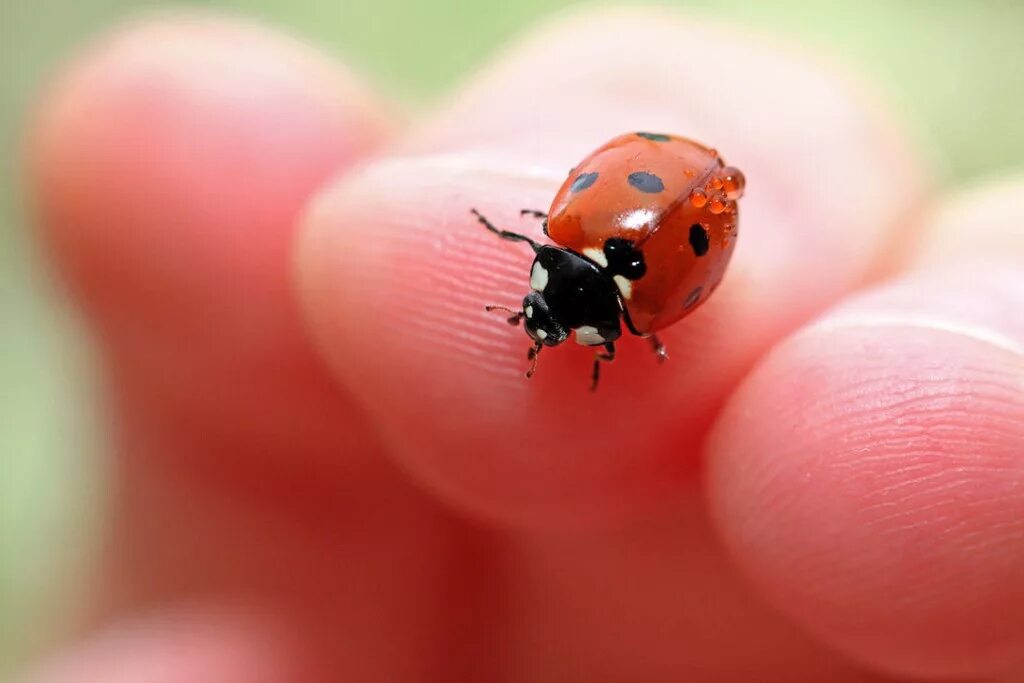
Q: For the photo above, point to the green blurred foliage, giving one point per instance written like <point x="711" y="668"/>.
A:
<point x="952" y="69"/>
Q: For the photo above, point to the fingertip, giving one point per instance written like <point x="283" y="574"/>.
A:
<point x="978" y="223"/>
<point x="867" y="475"/>
<point x="169" y="164"/>
<point x="394" y="273"/>
<point x="169" y="159"/>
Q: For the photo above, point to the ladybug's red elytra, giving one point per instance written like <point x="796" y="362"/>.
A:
<point x="645" y="227"/>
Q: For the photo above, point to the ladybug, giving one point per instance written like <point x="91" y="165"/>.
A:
<point x="644" y="227"/>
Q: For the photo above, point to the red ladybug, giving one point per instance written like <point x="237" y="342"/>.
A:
<point x="646" y="226"/>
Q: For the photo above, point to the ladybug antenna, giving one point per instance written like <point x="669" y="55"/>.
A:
<point x="514" y="320"/>
<point x="504" y="234"/>
<point x="531" y="356"/>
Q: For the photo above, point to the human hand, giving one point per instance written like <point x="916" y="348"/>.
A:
<point x="821" y="484"/>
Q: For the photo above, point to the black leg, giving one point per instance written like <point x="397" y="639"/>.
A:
<point x="515" y="318"/>
<point x="536" y="214"/>
<point x="605" y="356"/>
<point x="658" y="348"/>
<point x="504" y="234"/>
<point x="531" y="356"/>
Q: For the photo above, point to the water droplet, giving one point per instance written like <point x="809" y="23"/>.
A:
<point x="716" y="183"/>
<point x="698" y="198"/>
<point x="717" y="204"/>
<point x="734" y="183"/>
<point x="689" y="173"/>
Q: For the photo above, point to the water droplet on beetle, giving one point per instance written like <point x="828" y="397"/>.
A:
<point x="733" y="183"/>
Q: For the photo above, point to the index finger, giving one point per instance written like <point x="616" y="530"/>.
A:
<point x="394" y="272"/>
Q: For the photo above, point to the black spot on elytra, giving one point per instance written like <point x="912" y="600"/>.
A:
<point x="624" y="259"/>
<point x="656" y="137"/>
<point x="583" y="181"/>
<point x="646" y="182"/>
<point x="699" y="239"/>
<point x="693" y="298"/>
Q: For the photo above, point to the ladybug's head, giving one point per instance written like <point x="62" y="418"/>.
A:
<point x="539" y="322"/>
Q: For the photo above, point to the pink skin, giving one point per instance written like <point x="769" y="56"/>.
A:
<point x="321" y="433"/>
<point x="186" y="646"/>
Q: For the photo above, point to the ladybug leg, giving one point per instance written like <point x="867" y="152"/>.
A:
<point x="531" y="356"/>
<point x="516" y="317"/>
<point x="536" y="214"/>
<point x="504" y="234"/>
<point x="605" y="356"/>
<point x="658" y="348"/>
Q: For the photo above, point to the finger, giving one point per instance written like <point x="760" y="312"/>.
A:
<point x="983" y="224"/>
<point x="868" y="475"/>
<point x="394" y="271"/>
<point x="170" y="165"/>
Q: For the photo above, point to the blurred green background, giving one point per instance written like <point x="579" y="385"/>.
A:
<point x="955" y="70"/>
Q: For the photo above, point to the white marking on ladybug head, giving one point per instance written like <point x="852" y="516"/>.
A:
<point x="625" y="286"/>
<point x="541" y="334"/>
<point x="587" y="335"/>
<point x="538" y="277"/>
<point x="597" y="256"/>
<point x="528" y="311"/>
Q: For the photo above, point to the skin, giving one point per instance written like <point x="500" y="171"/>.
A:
<point x="329" y="467"/>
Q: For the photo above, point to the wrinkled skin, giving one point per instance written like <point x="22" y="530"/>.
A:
<point x="329" y="466"/>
